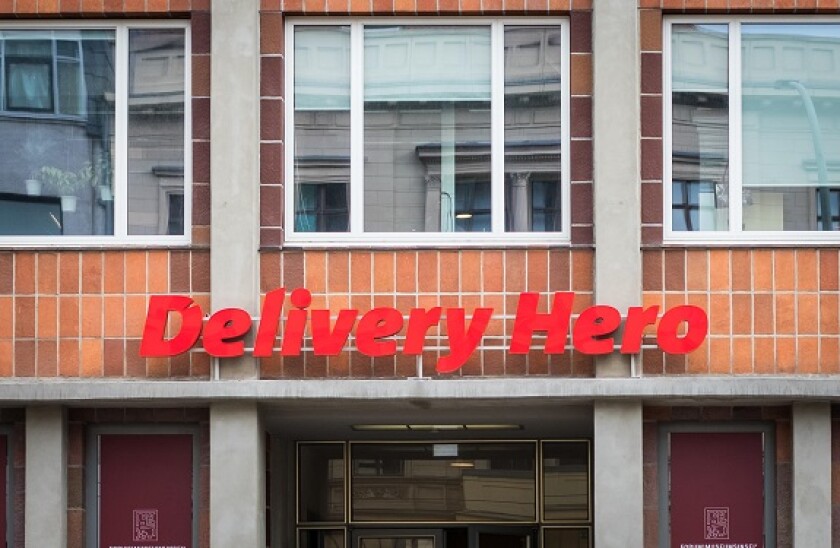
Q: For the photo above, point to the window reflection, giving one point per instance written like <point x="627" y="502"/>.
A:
<point x="314" y="538"/>
<point x="700" y="128"/>
<point x="455" y="482"/>
<point x="572" y="537"/>
<point x="156" y="131"/>
<point x="533" y="99"/>
<point x="322" y="129"/>
<point x="427" y="98"/>
<point x="321" y="477"/>
<point x="56" y="131"/>
<point x="566" y="481"/>
<point x="791" y="125"/>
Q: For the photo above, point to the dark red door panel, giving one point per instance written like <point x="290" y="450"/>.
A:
<point x="717" y="489"/>
<point x="146" y="490"/>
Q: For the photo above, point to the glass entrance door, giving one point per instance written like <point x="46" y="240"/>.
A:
<point x="398" y="538"/>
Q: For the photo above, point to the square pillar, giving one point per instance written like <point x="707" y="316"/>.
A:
<point x="237" y="476"/>
<point x="46" y="477"/>
<point x="618" y="474"/>
<point x="811" y="474"/>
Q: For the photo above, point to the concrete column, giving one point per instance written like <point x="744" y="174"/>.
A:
<point x="433" y="202"/>
<point x="618" y="493"/>
<point x="811" y="474"/>
<point x="45" y="521"/>
<point x="237" y="476"/>
<point x="234" y="164"/>
<point x="617" y="190"/>
<point x="520" y="205"/>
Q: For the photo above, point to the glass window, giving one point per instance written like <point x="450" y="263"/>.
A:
<point x="755" y="129"/>
<point x="566" y="481"/>
<point x="397" y="129"/>
<point x="71" y="169"/>
<point x="566" y="537"/>
<point x="321" y="476"/>
<point x="443" y="482"/>
<point x="321" y="538"/>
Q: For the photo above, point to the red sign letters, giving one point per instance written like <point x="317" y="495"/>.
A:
<point x="593" y="332"/>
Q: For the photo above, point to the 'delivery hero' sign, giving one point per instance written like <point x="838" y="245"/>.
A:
<point x="679" y="330"/>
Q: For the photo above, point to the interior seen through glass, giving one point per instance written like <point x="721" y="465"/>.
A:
<point x="444" y="494"/>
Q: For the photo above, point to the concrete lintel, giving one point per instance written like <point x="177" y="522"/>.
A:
<point x="811" y="471"/>
<point x="670" y="390"/>
<point x="45" y="521"/>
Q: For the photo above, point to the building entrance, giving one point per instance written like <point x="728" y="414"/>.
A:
<point x="444" y="494"/>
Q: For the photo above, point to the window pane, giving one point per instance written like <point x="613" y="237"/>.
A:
<point x="55" y="156"/>
<point x="464" y="482"/>
<point x="700" y="58"/>
<point x="155" y="129"/>
<point x="566" y="481"/>
<point x="566" y="538"/>
<point x="322" y="129"/>
<point x="321" y="472"/>
<point x="533" y="60"/>
<point x="29" y="83"/>
<point x="427" y="126"/>
<point x="791" y="125"/>
<point x="700" y="128"/>
<point x="314" y="538"/>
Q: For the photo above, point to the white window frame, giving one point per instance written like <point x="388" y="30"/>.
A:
<point x="121" y="238"/>
<point x="735" y="234"/>
<point x="356" y="235"/>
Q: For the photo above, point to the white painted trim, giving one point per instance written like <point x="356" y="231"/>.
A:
<point x="121" y="238"/>
<point x="667" y="130"/>
<point x="566" y="136"/>
<point x="497" y="129"/>
<point x="121" y="135"/>
<point x="289" y="131"/>
<point x="357" y="131"/>
<point x="357" y="236"/>
<point x="735" y="235"/>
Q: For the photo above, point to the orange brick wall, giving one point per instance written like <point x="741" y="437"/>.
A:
<point x="406" y="279"/>
<point x="771" y="311"/>
<point x="81" y="313"/>
<point x="654" y="416"/>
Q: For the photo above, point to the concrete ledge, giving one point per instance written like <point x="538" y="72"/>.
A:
<point x="670" y="390"/>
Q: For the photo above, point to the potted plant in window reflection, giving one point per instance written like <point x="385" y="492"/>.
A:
<point x="33" y="186"/>
<point x="34" y="150"/>
<point x="67" y="184"/>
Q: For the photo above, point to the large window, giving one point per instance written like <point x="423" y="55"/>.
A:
<point x="94" y="129"/>
<point x="407" y="131"/>
<point x="753" y="123"/>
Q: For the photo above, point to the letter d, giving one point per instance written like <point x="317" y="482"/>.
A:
<point x="153" y="344"/>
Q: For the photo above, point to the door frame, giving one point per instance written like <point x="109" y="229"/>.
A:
<point x="768" y="431"/>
